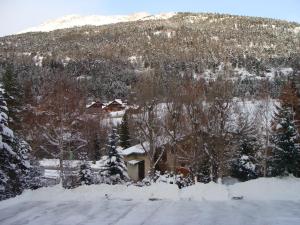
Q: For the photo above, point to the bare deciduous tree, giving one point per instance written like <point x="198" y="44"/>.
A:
<point x="57" y="116"/>
<point x="148" y="121"/>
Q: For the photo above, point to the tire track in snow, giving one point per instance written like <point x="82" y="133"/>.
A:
<point x="152" y="214"/>
<point x="122" y="215"/>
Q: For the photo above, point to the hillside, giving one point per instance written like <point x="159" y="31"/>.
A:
<point x="173" y="44"/>
<point x="202" y="39"/>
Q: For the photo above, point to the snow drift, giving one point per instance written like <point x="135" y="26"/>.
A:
<point x="260" y="189"/>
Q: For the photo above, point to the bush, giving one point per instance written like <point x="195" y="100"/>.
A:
<point x="168" y="178"/>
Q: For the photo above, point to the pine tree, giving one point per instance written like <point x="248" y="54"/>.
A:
<point x="244" y="165"/>
<point x="124" y="133"/>
<point x="16" y="173"/>
<point x="286" y="151"/>
<point x="114" y="170"/>
<point x="86" y="174"/>
<point x="29" y="171"/>
<point x="34" y="176"/>
<point x="9" y="182"/>
<point x="12" y="96"/>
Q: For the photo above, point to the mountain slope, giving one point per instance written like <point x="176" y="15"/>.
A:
<point x="210" y="37"/>
<point x="111" y="56"/>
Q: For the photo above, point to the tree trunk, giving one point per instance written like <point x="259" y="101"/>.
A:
<point x="61" y="170"/>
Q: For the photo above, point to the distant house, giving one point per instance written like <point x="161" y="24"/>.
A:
<point x="114" y="106"/>
<point x="95" y="107"/>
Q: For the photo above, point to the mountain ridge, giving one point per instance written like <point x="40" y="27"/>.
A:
<point x="70" y="21"/>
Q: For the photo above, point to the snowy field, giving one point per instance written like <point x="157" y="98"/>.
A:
<point x="265" y="201"/>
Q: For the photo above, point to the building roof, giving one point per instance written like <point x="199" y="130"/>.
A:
<point x="94" y="103"/>
<point x="136" y="149"/>
<point x="139" y="149"/>
<point x="119" y="101"/>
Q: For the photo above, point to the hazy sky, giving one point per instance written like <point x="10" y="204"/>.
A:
<point x="16" y="15"/>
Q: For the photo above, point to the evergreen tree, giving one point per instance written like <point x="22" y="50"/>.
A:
<point x="12" y="96"/>
<point x="286" y="152"/>
<point x="244" y="165"/>
<point x="30" y="172"/>
<point x="34" y="176"/>
<point x="9" y="182"/>
<point x="86" y="174"/>
<point x="124" y="133"/>
<point x="16" y="173"/>
<point x="114" y="170"/>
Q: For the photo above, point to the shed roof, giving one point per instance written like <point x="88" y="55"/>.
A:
<point x="136" y="149"/>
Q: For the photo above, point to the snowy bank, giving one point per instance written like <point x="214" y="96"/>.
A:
<point x="259" y="189"/>
<point x="287" y="188"/>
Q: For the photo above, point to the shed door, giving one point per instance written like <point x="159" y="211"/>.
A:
<point x="141" y="167"/>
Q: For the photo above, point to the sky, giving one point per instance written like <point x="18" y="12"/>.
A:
<point x="17" y="15"/>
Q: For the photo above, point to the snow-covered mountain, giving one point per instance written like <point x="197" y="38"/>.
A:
<point x="203" y="45"/>
<point x="96" y="20"/>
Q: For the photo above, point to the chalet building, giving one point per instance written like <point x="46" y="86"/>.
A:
<point x="138" y="164"/>
<point x="114" y="106"/>
<point x="95" y="107"/>
<point x="100" y="107"/>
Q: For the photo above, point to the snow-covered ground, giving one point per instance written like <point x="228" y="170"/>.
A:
<point x="53" y="164"/>
<point x="266" y="201"/>
<point x="51" y="173"/>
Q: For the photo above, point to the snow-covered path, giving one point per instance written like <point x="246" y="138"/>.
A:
<point x="164" y="212"/>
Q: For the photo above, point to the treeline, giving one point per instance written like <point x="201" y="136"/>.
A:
<point x="47" y="109"/>
<point x="211" y="129"/>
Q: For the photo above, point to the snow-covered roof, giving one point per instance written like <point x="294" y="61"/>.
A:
<point x="119" y="101"/>
<point x="93" y="103"/>
<point x="90" y="104"/>
<point x="105" y="104"/>
<point x="136" y="149"/>
<point x="140" y="149"/>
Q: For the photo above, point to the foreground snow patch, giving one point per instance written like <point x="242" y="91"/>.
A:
<point x="259" y="189"/>
<point x="266" y="201"/>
